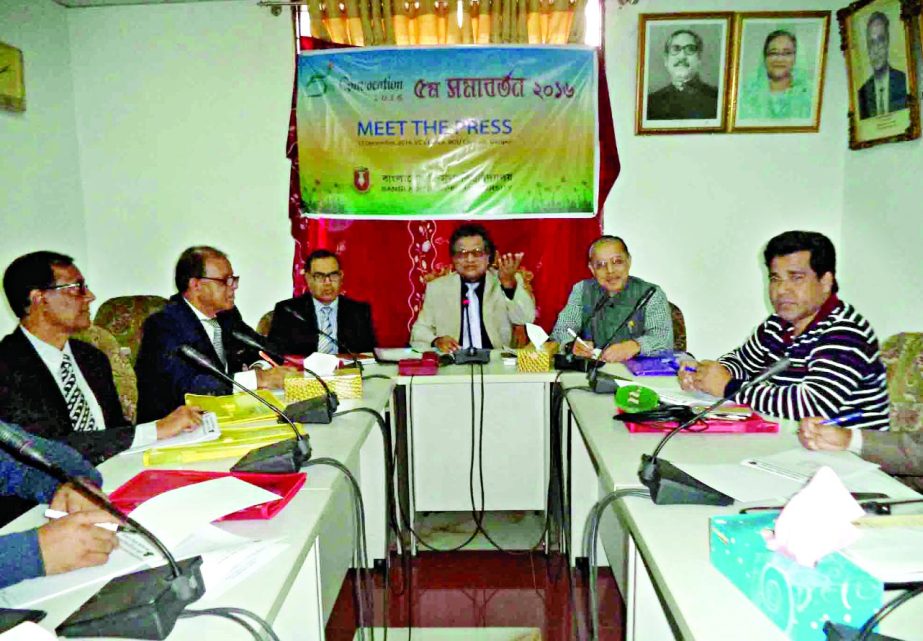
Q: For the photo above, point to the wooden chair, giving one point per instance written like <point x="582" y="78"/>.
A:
<point x="123" y="317"/>
<point x="123" y="374"/>
<point x="679" y="328"/>
<point x="902" y="355"/>
<point x="265" y="323"/>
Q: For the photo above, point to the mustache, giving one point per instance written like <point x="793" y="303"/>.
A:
<point x="682" y="62"/>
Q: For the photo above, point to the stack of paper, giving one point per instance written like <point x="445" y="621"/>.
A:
<point x="893" y="555"/>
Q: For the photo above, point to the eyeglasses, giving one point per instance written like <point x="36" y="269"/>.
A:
<point x="469" y="253"/>
<point x="78" y="288"/>
<point x="689" y="49"/>
<point x="321" y="277"/>
<point x="227" y="281"/>
<point x="614" y="262"/>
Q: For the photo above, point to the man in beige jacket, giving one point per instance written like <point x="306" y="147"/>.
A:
<point x="474" y="306"/>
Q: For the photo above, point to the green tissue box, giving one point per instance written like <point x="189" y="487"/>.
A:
<point x="799" y="600"/>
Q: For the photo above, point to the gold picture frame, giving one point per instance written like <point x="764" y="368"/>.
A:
<point x="777" y="79"/>
<point x="685" y="91"/>
<point x="877" y="39"/>
<point x="12" y="80"/>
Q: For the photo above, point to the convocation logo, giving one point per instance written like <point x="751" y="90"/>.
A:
<point x="361" y="179"/>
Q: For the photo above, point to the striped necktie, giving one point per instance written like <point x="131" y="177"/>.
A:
<point x="324" y="344"/>
<point x="77" y="407"/>
<point x="218" y="340"/>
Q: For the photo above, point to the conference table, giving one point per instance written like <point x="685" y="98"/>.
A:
<point x="659" y="554"/>
<point x="296" y="590"/>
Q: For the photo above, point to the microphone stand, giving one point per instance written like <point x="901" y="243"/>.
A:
<point x="570" y="361"/>
<point x="141" y="605"/>
<point x="470" y="355"/>
<point x="668" y="484"/>
<point x="606" y="384"/>
<point x="284" y="457"/>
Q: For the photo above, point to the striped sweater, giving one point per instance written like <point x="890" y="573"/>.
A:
<point x="836" y="368"/>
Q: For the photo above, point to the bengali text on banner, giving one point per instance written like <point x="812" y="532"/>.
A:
<point x="448" y="132"/>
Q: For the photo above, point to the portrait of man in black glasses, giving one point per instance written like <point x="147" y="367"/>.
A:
<point x="686" y="96"/>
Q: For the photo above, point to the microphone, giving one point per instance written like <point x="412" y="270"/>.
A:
<point x="671" y="486"/>
<point x="333" y="339"/>
<point x="570" y="361"/>
<point x="283" y="457"/>
<point x="606" y="385"/>
<point x="142" y="605"/>
<point x="259" y="346"/>
<point x="470" y="355"/>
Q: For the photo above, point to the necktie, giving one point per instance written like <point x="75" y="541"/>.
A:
<point x="77" y="407"/>
<point x="881" y="101"/>
<point x="324" y="344"/>
<point x="218" y="340"/>
<point x="472" y="313"/>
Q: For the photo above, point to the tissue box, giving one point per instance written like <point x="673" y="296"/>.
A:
<point x="798" y="599"/>
<point x="529" y="359"/>
<point x="346" y="383"/>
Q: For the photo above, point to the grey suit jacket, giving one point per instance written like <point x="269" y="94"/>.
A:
<point x="441" y="313"/>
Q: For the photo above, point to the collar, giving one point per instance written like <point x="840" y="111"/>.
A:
<point x="195" y="310"/>
<point x="823" y="312"/>
<point x="333" y="305"/>
<point x="479" y="284"/>
<point x="50" y="355"/>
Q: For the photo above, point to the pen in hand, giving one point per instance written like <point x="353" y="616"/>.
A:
<point x="839" y="420"/>
<point x="596" y="351"/>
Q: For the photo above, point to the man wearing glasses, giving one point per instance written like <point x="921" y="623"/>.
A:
<point x="620" y="314"/>
<point x="886" y="90"/>
<point x="59" y="387"/>
<point x="202" y="315"/>
<point x="486" y="302"/>
<point x="322" y="320"/>
<point x="687" y="96"/>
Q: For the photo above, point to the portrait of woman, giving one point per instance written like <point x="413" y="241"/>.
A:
<point x="778" y="73"/>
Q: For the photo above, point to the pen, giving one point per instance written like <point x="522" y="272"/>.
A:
<point x="112" y="527"/>
<point x="839" y="420"/>
<point x="269" y="360"/>
<point x="583" y="342"/>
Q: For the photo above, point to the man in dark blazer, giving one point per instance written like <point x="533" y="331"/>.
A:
<point x="886" y="90"/>
<point x="206" y="288"/>
<point x="297" y="322"/>
<point x="58" y="387"/>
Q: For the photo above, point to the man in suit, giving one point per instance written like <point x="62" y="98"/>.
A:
<point x="202" y="315"/>
<point x="687" y="96"/>
<point x="886" y="90"/>
<point x="59" y="387"/>
<point x="898" y="453"/>
<point x="69" y="543"/>
<point x="322" y="320"/>
<point x="473" y="301"/>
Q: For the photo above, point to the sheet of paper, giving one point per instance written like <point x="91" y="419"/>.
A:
<point x="174" y="515"/>
<point x="204" y="433"/>
<point x="894" y="555"/>
<point x="537" y="335"/>
<point x="800" y="464"/>
<point x="321" y="364"/>
<point x="395" y="354"/>
<point x="743" y="484"/>
<point x="223" y="569"/>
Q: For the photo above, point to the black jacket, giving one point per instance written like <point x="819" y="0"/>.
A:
<point x="293" y="336"/>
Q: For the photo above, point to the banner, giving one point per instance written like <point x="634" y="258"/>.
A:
<point x="448" y="132"/>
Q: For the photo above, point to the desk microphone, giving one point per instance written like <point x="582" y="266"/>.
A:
<point x="257" y="345"/>
<point x="605" y="384"/>
<point x="570" y="361"/>
<point x="283" y="457"/>
<point x="141" y="605"/>
<point x="471" y="354"/>
<point x="333" y="339"/>
<point x="668" y="484"/>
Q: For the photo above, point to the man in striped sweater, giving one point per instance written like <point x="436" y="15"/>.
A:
<point x="836" y="368"/>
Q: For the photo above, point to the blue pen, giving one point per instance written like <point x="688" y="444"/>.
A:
<point x="688" y="368"/>
<point x="839" y="420"/>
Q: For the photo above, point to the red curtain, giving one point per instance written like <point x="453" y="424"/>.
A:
<point x="383" y="261"/>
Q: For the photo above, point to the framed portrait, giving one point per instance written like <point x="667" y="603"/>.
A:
<point x="12" y="82"/>
<point x="777" y="81"/>
<point x="877" y="38"/>
<point x="683" y="65"/>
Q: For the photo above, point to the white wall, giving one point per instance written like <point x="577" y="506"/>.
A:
<point x="181" y="115"/>
<point x="697" y="209"/>
<point x="41" y="205"/>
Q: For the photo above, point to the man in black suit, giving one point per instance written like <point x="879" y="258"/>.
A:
<point x="687" y="96"/>
<point x="322" y="320"/>
<point x="202" y="315"/>
<point x="58" y="387"/>
<point x="886" y="90"/>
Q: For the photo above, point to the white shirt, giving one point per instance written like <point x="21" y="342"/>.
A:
<point x="53" y="358"/>
<point x="882" y="93"/>
<point x="248" y="378"/>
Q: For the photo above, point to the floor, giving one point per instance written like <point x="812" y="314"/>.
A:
<point x="504" y="597"/>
